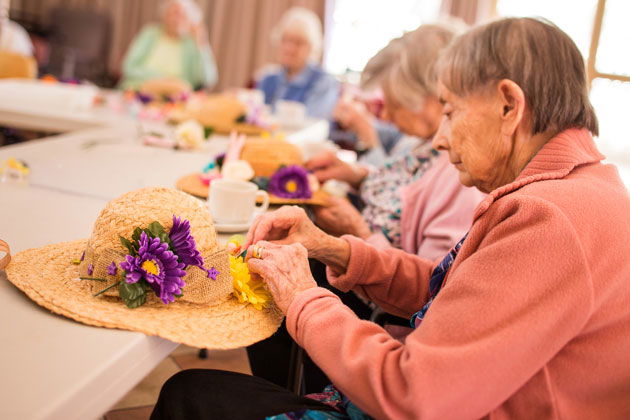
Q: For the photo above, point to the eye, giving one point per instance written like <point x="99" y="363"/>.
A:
<point x="447" y="111"/>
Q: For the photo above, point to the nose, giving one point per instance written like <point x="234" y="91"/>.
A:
<point x="440" y="139"/>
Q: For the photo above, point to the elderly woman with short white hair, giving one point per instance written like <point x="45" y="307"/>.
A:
<point x="298" y="39"/>
<point x="175" y="50"/>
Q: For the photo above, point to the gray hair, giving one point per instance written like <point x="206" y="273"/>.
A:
<point x="190" y="7"/>
<point x="377" y="67"/>
<point x="537" y="56"/>
<point x="307" y="22"/>
<point x="412" y="77"/>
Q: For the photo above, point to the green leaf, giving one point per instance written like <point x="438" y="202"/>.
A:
<point x="129" y="245"/>
<point x="156" y="228"/>
<point x="133" y="294"/>
<point x="136" y="234"/>
<point x="207" y="132"/>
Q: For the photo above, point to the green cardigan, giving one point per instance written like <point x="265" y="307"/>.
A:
<point x="198" y="64"/>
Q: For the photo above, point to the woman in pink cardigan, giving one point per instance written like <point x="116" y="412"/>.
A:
<point x="414" y="201"/>
<point x="526" y="317"/>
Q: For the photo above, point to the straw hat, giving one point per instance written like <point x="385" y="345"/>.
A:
<point x="266" y="156"/>
<point x="206" y="315"/>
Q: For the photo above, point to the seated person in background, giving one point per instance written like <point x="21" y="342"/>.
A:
<point x="373" y="138"/>
<point x="177" y="48"/>
<point x="15" y="39"/>
<point x="298" y="39"/>
<point x="414" y="202"/>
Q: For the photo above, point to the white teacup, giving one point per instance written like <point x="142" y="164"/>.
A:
<point x="234" y="202"/>
<point x="290" y="112"/>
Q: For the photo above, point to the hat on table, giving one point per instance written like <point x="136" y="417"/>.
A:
<point x="155" y="266"/>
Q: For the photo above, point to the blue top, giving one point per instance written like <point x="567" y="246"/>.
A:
<point x="313" y="87"/>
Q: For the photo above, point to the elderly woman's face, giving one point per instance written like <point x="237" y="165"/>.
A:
<point x="175" y="20"/>
<point x="422" y="122"/>
<point x="470" y="131"/>
<point x="294" y="49"/>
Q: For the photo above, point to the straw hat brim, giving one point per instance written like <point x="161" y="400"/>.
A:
<point x="49" y="278"/>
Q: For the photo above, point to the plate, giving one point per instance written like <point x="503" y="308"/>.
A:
<point x="192" y="184"/>
<point x="232" y="227"/>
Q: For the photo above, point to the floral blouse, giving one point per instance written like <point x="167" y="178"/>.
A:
<point x="380" y="190"/>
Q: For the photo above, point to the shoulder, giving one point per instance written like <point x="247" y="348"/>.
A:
<point x="148" y="31"/>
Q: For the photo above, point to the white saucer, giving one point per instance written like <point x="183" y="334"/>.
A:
<point x="232" y="227"/>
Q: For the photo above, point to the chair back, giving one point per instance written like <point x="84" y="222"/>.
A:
<point x="13" y="65"/>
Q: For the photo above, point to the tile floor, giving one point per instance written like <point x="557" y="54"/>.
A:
<point x="138" y="403"/>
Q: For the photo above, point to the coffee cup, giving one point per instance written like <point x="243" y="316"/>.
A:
<point x="234" y="202"/>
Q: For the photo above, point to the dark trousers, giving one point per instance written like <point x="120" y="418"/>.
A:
<point x="269" y="359"/>
<point x="215" y="394"/>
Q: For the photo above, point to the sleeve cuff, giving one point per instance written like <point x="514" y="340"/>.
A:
<point x="356" y="265"/>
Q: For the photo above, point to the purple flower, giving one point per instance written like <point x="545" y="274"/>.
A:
<point x="158" y="266"/>
<point x="290" y="182"/>
<point x="145" y="98"/>
<point x="112" y="269"/>
<point x="82" y="256"/>
<point x="184" y="244"/>
<point x="90" y="269"/>
<point x="213" y="273"/>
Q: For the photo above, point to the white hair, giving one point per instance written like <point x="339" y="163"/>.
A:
<point x="305" y="21"/>
<point x="190" y="7"/>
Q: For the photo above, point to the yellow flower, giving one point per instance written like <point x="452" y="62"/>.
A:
<point x="246" y="288"/>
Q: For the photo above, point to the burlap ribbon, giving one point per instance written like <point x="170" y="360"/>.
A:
<point x="199" y="289"/>
<point x="4" y="247"/>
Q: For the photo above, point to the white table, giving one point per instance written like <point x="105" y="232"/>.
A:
<point x="52" y="367"/>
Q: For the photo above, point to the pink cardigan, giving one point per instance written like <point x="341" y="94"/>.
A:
<point x="533" y="320"/>
<point x="437" y="212"/>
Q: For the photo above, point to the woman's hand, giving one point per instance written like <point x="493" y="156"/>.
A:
<point x="200" y="34"/>
<point x="327" y="166"/>
<point x="287" y="225"/>
<point x="341" y="218"/>
<point x="285" y="270"/>
<point x="354" y="116"/>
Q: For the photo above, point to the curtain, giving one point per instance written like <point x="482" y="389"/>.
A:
<point x="239" y="30"/>
<point x="470" y="11"/>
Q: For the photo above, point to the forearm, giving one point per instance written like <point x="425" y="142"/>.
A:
<point x="333" y="252"/>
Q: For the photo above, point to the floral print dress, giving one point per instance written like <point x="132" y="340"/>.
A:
<point x="381" y="194"/>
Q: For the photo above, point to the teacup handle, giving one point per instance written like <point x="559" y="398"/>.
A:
<point x="265" y="204"/>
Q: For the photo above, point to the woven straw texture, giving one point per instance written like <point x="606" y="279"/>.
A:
<point x="267" y="155"/>
<point x="48" y="276"/>
<point x="192" y="184"/>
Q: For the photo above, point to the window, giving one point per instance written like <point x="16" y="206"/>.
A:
<point x="358" y="29"/>
<point x="601" y="32"/>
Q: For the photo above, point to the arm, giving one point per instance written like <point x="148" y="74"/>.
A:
<point x="209" y="73"/>
<point x="495" y="325"/>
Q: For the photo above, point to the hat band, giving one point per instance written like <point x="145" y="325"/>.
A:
<point x="199" y="289"/>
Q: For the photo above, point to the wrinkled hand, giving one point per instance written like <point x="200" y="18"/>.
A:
<point x="285" y="270"/>
<point x="200" y="34"/>
<point x="341" y="218"/>
<point x="354" y="116"/>
<point x="327" y="165"/>
<point x="287" y="225"/>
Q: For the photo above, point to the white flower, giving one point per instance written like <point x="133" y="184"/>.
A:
<point x="189" y="135"/>
<point x="237" y="169"/>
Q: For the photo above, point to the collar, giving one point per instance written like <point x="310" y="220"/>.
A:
<point x="555" y="160"/>
<point x="302" y="77"/>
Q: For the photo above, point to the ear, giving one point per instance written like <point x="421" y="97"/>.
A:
<point x="512" y="100"/>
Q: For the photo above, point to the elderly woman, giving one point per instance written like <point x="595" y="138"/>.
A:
<point x="298" y="39"/>
<point x="527" y="316"/>
<point x="414" y="202"/>
<point x="175" y="50"/>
